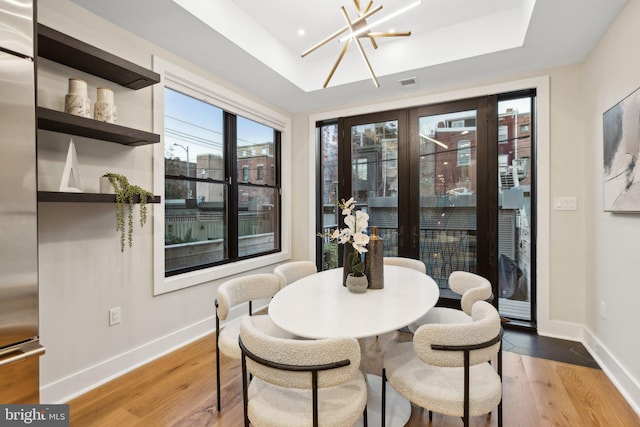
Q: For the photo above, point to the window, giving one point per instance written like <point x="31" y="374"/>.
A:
<point x="503" y="134"/>
<point x="464" y="153"/>
<point x="210" y="218"/>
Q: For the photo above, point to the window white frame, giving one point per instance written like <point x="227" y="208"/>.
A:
<point x="199" y="87"/>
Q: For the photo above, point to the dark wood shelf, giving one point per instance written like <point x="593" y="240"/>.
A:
<point x="58" y="121"/>
<point x="77" y="54"/>
<point x="57" y="196"/>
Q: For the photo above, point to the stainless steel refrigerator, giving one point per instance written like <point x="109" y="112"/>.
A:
<point x="19" y="341"/>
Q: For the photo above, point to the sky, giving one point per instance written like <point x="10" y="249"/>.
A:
<point x="198" y="126"/>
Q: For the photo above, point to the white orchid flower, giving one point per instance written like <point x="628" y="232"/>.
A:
<point x="345" y="236"/>
<point x="361" y="221"/>
<point x="360" y="240"/>
<point x="350" y="221"/>
<point x="335" y="234"/>
<point x="348" y="206"/>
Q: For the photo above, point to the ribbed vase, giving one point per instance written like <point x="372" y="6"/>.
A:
<point x="373" y="262"/>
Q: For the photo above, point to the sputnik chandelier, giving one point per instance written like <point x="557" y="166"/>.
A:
<point x="359" y="28"/>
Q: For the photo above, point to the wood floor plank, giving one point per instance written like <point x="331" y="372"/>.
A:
<point x="590" y="390"/>
<point x="179" y="390"/>
<point x="517" y="394"/>
<point x="553" y="404"/>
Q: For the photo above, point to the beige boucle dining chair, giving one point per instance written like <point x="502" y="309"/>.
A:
<point x="471" y="286"/>
<point x="294" y="270"/>
<point x="446" y="368"/>
<point x="233" y="293"/>
<point x="414" y="264"/>
<point x="300" y="382"/>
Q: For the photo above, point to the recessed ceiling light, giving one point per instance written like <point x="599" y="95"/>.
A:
<point x="301" y="32"/>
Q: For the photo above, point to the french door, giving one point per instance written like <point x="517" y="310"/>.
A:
<point x="415" y="172"/>
<point x="450" y="184"/>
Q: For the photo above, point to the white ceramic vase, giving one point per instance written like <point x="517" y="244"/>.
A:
<point x="105" y="186"/>
<point x="104" y="109"/>
<point x="77" y="102"/>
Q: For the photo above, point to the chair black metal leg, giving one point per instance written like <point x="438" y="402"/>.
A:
<point x="365" y="423"/>
<point x="218" y="361"/>
<point x="384" y="398"/>
<point x="245" y="393"/>
<point x="430" y="416"/>
<point x="218" y="379"/>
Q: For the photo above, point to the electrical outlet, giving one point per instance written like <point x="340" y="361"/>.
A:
<point x="115" y="316"/>
<point x="603" y="313"/>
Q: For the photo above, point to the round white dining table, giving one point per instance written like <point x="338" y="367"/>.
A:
<point x="319" y="306"/>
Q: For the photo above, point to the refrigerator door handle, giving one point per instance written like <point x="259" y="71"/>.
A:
<point x="20" y="353"/>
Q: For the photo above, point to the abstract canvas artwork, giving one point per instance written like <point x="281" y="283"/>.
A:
<point x="621" y="150"/>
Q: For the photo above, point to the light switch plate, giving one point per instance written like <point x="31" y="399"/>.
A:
<point x="565" y="203"/>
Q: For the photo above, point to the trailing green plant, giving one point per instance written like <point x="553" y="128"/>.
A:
<point x="125" y="195"/>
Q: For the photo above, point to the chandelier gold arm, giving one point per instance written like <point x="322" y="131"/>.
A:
<point x="335" y="66"/>
<point x="359" y="9"/>
<point x="337" y="33"/>
<point x="394" y="34"/>
<point x="368" y="6"/>
<point x="357" y="40"/>
<point x="373" y="41"/>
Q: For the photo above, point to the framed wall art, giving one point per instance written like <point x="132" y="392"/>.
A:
<point x="621" y="149"/>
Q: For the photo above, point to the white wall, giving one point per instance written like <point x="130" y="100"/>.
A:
<point x="611" y="72"/>
<point x="82" y="272"/>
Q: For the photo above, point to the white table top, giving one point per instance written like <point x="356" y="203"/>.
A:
<point x="318" y="306"/>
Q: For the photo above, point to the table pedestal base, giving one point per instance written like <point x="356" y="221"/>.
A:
<point x="398" y="409"/>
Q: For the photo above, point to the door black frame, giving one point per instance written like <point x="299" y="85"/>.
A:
<point x="408" y="172"/>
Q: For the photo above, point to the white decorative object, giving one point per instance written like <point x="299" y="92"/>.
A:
<point x="104" y="109"/>
<point x="71" y="181"/>
<point x="105" y="186"/>
<point x="77" y="102"/>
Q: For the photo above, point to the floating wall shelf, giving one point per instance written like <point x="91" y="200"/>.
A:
<point x="77" y="54"/>
<point x="58" y="121"/>
<point x="57" y="196"/>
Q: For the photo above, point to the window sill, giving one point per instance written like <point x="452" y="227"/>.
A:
<point x="174" y="283"/>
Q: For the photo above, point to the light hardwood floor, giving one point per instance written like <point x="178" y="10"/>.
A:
<point x="179" y="390"/>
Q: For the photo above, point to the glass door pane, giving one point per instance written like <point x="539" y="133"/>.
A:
<point x="514" y="208"/>
<point x="447" y="199"/>
<point x="374" y="177"/>
<point x="328" y="189"/>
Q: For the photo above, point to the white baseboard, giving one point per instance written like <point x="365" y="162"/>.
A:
<point x="80" y="382"/>
<point x="624" y="382"/>
<point x="562" y="330"/>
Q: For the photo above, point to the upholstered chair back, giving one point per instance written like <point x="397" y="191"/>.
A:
<point x="295" y="270"/>
<point x="299" y="352"/>
<point x="242" y="289"/>
<point x="414" y="264"/>
<point x="471" y="286"/>
<point x="485" y="326"/>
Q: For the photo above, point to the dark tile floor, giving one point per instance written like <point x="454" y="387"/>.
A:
<point x="531" y="344"/>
